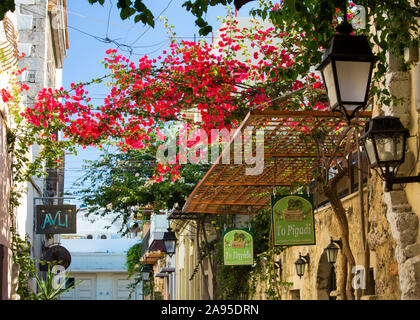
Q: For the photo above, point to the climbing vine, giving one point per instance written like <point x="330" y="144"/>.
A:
<point x="134" y="266"/>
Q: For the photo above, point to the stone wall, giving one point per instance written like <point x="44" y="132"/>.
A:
<point x="402" y="208"/>
<point x="381" y="242"/>
<point x="315" y="283"/>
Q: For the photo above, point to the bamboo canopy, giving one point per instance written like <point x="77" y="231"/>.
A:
<point x="290" y="158"/>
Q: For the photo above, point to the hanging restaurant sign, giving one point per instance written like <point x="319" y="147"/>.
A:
<point x="293" y="220"/>
<point x="238" y="247"/>
<point x="55" y="219"/>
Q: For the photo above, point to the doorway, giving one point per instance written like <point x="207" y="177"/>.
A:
<point x="326" y="281"/>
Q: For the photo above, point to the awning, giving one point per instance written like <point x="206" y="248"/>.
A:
<point x="167" y="270"/>
<point x="289" y="159"/>
<point x="161" y="275"/>
<point x="157" y="245"/>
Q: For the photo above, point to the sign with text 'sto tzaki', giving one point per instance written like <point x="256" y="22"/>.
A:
<point x="238" y="247"/>
<point x="293" y="220"/>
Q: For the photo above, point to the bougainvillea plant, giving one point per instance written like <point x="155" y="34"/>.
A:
<point x="246" y="67"/>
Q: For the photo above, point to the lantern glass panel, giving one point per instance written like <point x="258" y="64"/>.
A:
<point x="300" y="269"/>
<point x="170" y="246"/>
<point x="353" y="82"/>
<point x="370" y="150"/>
<point x="145" y="276"/>
<point x="390" y="148"/>
<point x="332" y="254"/>
<point x="330" y="84"/>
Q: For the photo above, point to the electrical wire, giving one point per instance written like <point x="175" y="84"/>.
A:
<point x="122" y="46"/>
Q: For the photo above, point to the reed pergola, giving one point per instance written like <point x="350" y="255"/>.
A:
<point x="291" y="156"/>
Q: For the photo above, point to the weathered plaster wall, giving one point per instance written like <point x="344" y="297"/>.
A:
<point x="413" y="190"/>
<point x="403" y="206"/>
<point x="186" y="263"/>
<point x="387" y="284"/>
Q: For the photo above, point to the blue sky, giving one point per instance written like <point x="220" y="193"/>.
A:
<point x="89" y="24"/>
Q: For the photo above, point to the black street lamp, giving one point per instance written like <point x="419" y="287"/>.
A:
<point x="346" y="70"/>
<point x="145" y="272"/>
<point x="385" y="140"/>
<point x="332" y="250"/>
<point x="300" y="264"/>
<point x="170" y="239"/>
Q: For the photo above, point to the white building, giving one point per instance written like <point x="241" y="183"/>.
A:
<point x="43" y="39"/>
<point x="98" y="256"/>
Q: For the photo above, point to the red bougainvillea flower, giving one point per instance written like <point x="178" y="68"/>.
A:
<point x="196" y="84"/>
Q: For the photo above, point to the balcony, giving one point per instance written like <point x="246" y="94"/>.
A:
<point x="153" y="247"/>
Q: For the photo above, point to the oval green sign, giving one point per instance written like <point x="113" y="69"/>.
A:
<point x="238" y="247"/>
<point x="293" y="220"/>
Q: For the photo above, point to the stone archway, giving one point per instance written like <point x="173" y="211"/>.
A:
<point x="325" y="279"/>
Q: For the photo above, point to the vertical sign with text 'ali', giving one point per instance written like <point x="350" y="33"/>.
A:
<point x="55" y="219"/>
<point x="293" y="220"/>
<point x="238" y="247"/>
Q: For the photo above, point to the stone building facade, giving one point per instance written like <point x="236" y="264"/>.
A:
<point x="392" y="218"/>
<point x="41" y="35"/>
<point x="193" y="282"/>
<point x="320" y="279"/>
<point x="402" y="204"/>
<point x="8" y="46"/>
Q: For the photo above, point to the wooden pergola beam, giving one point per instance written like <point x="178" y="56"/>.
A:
<point x="227" y="186"/>
<point x="304" y="114"/>
<point x="293" y="155"/>
<point x="229" y="203"/>
<point x="247" y="184"/>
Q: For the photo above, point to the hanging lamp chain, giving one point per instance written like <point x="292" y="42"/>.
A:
<point x="344" y="27"/>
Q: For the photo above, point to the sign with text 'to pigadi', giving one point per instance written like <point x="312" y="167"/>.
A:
<point x="293" y="220"/>
<point x="238" y="247"/>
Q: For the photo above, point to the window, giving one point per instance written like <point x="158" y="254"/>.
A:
<point x="69" y="283"/>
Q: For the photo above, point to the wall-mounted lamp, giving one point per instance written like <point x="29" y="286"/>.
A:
<point x="145" y="272"/>
<point x="385" y="140"/>
<point x="346" y="70"/>
<point x="300" y="264"/>
<point x="170" y="239"/>
<point x="332" y="250"/>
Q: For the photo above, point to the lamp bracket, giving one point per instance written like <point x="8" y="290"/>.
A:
<point x="339" y="242"/>
<point x="347" y="116"/>
<point x="306" y="258"/>
<point x="391" y="180"/>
